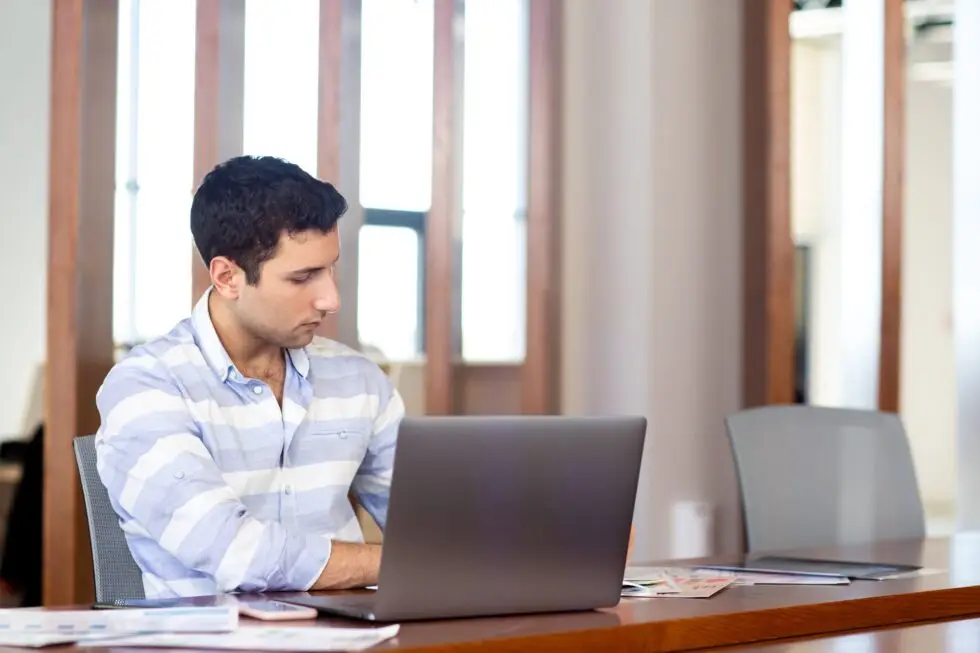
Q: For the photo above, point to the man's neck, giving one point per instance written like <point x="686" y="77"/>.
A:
<point x="251" y="356"/>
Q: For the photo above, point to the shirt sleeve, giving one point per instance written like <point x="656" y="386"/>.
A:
<point x="372" y="483"/>
<point x="165" y="485"/>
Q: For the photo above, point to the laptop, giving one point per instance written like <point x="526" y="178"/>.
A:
<point x="503" y="515"/>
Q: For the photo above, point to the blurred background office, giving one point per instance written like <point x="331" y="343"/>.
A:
<point x="678" y="208"/>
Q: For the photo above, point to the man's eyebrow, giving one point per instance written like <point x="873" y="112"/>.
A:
<point x="309" y="270"/>
<point x="315" y="268"/>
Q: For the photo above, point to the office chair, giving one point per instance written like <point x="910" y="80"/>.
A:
<point x="117" y="576"/>
<point x="812" y="476"/>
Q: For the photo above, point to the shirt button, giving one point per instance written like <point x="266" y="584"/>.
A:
<point x="178" y="475"/>
<point x="342" y="435"/>
<point x="257" y="389"/>
<point x="289" y="489"/>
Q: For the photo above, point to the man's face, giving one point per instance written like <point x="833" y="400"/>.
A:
<point x="296" y="289"/>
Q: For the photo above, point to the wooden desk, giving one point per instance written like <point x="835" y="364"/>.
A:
<point x="736" y="616"/>
<point x="947" y="637"/>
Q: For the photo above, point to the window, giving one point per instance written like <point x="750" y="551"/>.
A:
<point x="395" y="173"/>
<point x="495" y="115"/>
<point x="154" y="168"/>
<point x="396" y="104"/>
<point x="282" y="47"/>
<point x="391" y="325"/>
<point x="396" y="167"/>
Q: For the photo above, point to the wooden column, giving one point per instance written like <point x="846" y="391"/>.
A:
<point x="219" y="86"/>
<point x="328" y="110"/>
<point x="768" y="252"/>
<point x="893" y="202"/>
<point x="338" y="146"/>
<point x="79" y="339"/>
<point x="540" y="374"/>
<point x="442" y="229"/>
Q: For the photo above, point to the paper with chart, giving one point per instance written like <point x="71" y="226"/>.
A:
<point x="258" y="638"/>
<point x="678" y="587"/>
<point x="667" y="582"/>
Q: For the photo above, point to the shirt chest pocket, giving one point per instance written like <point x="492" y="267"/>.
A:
<point x="348" y="444"/>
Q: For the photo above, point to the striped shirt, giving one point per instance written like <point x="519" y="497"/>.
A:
<point x="218" y="489"/>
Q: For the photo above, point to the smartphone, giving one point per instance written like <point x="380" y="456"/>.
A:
<point x="269" y="610"/>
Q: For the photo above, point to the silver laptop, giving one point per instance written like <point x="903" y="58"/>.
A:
<point x="503" y="515"/>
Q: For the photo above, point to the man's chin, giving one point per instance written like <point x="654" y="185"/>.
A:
<point x="299" y="340"/>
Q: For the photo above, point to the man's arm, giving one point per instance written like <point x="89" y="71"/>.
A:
<point x="372" y="482"/>
<point x="163" y="482"/>
<point x="350" y="565"/>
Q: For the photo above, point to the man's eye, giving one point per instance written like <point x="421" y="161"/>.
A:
<point x="301" y="280"/>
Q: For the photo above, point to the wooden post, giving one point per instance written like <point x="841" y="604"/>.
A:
<point x="219" y="91"/>
<point x="540" y="374"/>
<point x="768" y="252"/>
<point x="442" y="246"/>
<point x="79" y="346"/>
<point x="893" y="203"/>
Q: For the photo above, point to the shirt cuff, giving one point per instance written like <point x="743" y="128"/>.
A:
<point x="312" y="562"/>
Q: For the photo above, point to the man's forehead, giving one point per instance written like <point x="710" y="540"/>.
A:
<point x="310" y="237"/>
<point x="307" y="249"/>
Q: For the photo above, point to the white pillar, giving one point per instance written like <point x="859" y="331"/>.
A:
<point x="966" y="255"/>
<point x="607" y="277"/>
<point x="651" y="287"/>
<point x="861" y="170"/>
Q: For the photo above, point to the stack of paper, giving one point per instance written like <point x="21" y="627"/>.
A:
<point x="759" y="578"/>
<point x="211" y="627"/>
<point x="682" y="582"/>
<point x="47" y="627"/>
<point x="297" y="638"/>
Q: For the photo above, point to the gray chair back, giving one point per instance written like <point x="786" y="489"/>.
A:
<point x="117" y="576"/>
<point x="812" y="476"/>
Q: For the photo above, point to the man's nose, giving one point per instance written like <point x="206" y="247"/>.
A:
<point x="328" y="300"/>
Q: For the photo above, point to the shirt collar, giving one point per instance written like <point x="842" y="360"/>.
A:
<point x="215" y="353"/>
<point x="300" y="360"/>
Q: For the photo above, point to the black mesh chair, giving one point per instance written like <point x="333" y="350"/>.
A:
<point x="117" y="576"/>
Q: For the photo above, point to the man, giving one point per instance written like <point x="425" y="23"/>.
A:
<point x="229" y="445"/>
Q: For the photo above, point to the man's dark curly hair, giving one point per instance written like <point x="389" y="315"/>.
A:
<point x="247" y="203"/>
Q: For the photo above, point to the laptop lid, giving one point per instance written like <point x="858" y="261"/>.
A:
<point x="505" y="515"/>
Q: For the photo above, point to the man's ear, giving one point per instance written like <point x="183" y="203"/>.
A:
<point x="226" y="277"/>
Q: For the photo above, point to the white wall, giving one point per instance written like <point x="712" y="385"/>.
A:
<point x="966" y="261"/>
<point x="651" y="288"/>
<point x="928" y="389"/>
<point x="25" y="70"/>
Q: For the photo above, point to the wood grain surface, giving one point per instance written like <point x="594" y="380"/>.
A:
<point x="736" y="616"/>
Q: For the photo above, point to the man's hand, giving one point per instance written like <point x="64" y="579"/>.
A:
<point x="350" y="565"/>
